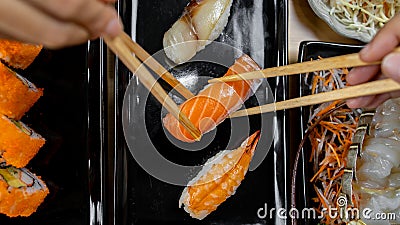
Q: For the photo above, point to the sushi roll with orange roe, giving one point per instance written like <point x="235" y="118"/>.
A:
<point x="17" y="95"/>
<point x="18" y="143"/>
<point x="21" y="192"/>
<point x="17" y="54"/>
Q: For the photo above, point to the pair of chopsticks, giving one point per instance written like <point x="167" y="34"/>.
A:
<point x="350" y="60"/>
<point x="127" y="50"/>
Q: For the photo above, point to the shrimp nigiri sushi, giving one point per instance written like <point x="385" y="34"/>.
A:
<point x="218" y="180"/>
<point x="18" y="143"/>
<point x="201" y="22"/>
<point x="21" y="192"/>
<point x="214" y="103"/>
<point x="17" y="54"/>
<point x="17" y="95"/>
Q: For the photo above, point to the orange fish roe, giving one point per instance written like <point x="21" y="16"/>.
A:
<point x="22" y="201"/>
<point x="18" y="143"/>
<point x="16" y="94"/>
<point x="17" y="54"/>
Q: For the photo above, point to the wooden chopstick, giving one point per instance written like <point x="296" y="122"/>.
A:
<point x="350" y="60"/>
<point x="370" y="88"/>
<point x="123" y="51"/>
<point x="156" y="66"/>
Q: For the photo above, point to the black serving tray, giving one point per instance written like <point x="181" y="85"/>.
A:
<point x="302" y="188"/>
<point x="92" y="176"/>
<point x="68" y="117"/>
<point x="132" y="195"/>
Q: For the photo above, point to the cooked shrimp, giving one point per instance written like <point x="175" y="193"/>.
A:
<point x="214" y="103"/>
<point x="218" y="180"/>
<point x="202" y="20"/>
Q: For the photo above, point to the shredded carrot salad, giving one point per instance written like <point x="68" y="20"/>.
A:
<point x="330" y="133"/>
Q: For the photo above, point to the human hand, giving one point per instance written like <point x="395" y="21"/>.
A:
<point x="57" y="23"/>
<point x="378" y="49"/>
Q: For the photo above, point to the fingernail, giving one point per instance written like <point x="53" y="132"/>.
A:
<point x="114" y="27"/>
<point x="352" y="103"/>
<point x="391" y="66"/>
<point x="365" y="49"/>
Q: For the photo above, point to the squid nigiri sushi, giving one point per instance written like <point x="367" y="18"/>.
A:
<point x="18" y="143"/>
<point x="218" y="180"/>
<point x="214" y="103"/>
<point x="378" y="168"/>
<point x="17" y="95"/>
<point x="201" y="22"/>
<point x="17" y="54"/>
<point x="21" y="192"/>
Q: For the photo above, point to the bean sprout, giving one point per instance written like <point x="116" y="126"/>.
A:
<point x="364" y="15"/>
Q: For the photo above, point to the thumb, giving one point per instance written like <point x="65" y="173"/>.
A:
<point x="391" y="66"/>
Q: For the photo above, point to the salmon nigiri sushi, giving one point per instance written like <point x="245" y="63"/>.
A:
<point x="215" y="102"/>
<point x="218" y="180"/>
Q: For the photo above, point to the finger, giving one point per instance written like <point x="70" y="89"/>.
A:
<point x="3" y="35"/>
<point x="365" y="101"/>
<point x="391" y="67"/>
<point x="371" y="101"/>
<point x="24" y="22"/>
<point x="363" y="74"/>
<point x="378" y="100"/>
<point x="384" y="41"/>
<point x="97" y="17"/>
<point x="360" y="102"/>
